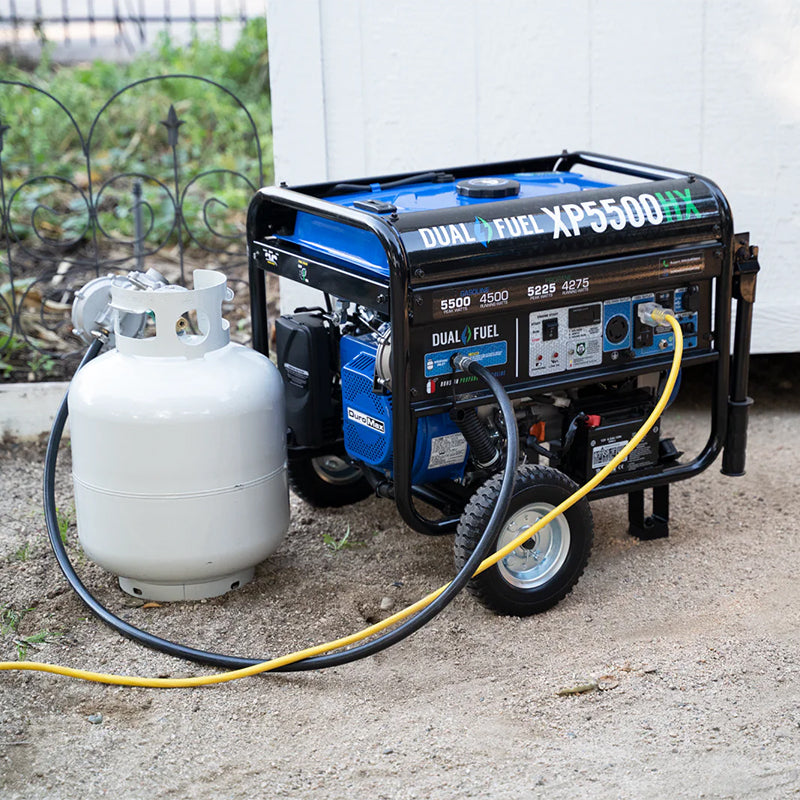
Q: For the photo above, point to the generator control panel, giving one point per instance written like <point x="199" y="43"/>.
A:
<point x="531" y="329"/>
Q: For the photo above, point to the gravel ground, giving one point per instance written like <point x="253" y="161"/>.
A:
<point x="692" y="642"/>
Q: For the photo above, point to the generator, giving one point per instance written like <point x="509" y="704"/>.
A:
<point x="541" y="270"/>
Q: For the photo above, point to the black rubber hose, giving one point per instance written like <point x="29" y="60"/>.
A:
<point x="482" y="448"/>
<point x="341" y="188"/>
<point x="481" y="551"/>
<point x="397" y="634"/>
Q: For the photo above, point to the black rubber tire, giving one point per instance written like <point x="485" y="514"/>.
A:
<point x="533" y="484"/>
<point x="308" y="480"/>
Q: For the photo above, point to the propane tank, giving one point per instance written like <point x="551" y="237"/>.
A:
<point x="178" y="445"/>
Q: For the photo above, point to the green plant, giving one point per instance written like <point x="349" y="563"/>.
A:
<point x="22" y="553"/>
<point x="41" y="364"/>
<point x="9" y="346"/>
<point x="65" y="519"/>
<point x="337" y="545"/>
<point x="48" y="189"/>
<point x="130" y="137"/>
<point x="14" y="348"/>
<point x="10" y="619"/>
<point x="22" y="643"/>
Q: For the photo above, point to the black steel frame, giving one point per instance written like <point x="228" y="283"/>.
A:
<point x="272" y="212"/>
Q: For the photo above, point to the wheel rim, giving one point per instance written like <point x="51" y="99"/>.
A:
<point x="335" y="470"/>
<point x="536" y="561"/>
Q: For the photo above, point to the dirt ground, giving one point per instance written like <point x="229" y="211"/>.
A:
<point x="693" y="642"/>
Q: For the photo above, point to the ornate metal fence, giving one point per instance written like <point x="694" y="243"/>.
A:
<point x="129" y="23"/>
<point x="132" y="186"/>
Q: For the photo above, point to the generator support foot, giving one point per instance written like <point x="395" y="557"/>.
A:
<point x="656" y="526"/>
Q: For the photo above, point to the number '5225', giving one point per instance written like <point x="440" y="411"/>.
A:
<point x="542" y="290"/>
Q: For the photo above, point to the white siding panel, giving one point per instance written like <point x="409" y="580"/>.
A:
<point x="750" y="140"/>
<point x="647" y="81"/>
<point x="363" y="87"/>
<point x="419" y="89"/>
<point x="298" y="99"/>
<point x="299" y="135"/>
<point x="344" y="73"/>
<point x="533" y="75"/>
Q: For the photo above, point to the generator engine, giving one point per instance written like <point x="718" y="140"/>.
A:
<point x="545" y="272"/>
<point x="356" y="394"/>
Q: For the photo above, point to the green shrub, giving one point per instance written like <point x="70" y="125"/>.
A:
<point x="130" y="137"/>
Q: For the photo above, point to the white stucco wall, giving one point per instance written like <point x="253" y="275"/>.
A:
<point x="362" y="87"/>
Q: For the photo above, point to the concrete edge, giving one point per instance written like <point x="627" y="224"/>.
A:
<point x="27" y="410"/>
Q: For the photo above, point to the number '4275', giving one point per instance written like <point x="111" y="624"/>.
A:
<point x="575" y="285"/>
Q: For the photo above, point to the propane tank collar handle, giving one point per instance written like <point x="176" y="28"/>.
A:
<point x="165" y="306"/>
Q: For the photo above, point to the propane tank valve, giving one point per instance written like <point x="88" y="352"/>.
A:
<point x="92" y="312"/>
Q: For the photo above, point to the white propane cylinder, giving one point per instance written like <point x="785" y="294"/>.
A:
<point x="179" y="449"/>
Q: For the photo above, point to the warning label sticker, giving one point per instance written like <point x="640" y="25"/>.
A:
<point x="603" y="454"/>
<point x="447" y="450"/>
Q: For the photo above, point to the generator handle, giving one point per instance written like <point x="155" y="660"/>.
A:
<point x="746" y="268"/>
<point x="622" y="166"/>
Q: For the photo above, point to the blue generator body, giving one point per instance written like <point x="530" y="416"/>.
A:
<point x="440" y="451"/>
<point x="362" y="252"/>
<point x="537" y="269"/>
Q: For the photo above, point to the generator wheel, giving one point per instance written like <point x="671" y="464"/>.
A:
<point x="327" y="481"/>
<point x="543" y="570"/>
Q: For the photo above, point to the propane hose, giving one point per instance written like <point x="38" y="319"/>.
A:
<point x="412" y="617"/>
<point x="313" y="658"/>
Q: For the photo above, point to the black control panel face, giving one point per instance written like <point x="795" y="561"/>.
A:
<point x="540" y="327"/>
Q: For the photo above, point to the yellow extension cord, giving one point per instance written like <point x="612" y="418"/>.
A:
<point x="658" y="316"/>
